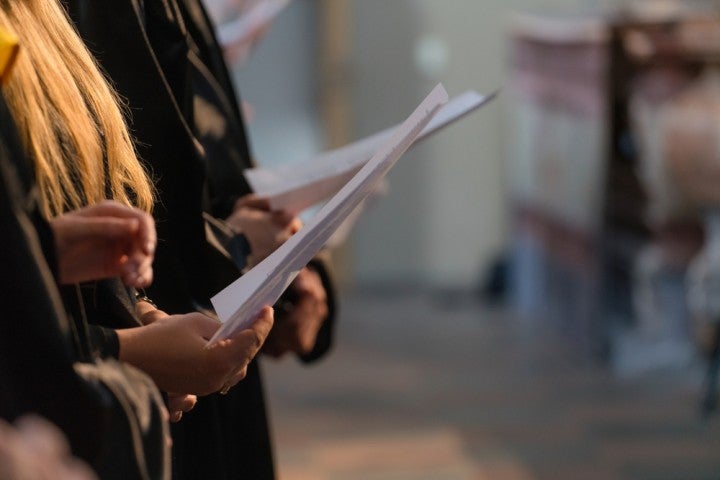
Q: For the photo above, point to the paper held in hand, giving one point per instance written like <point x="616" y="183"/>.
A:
<point x="299" y="185"/>
<point x="240" y="303"/>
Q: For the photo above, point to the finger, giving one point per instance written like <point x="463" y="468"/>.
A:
<point x="147" y="235"/>
<point x="110" y="208"/>
<point x="109" y="228"/>
<point x="301" y="284"/>
<point x="145" y="275"/>
<point x="253" y="201"/>
<point x="189" y="403"/>
<point x="263" y="322"/>
<point x="309" y="283"/>
<point x="181" y="402"/>
<point x="138" y="272"/>
<point x="152" y="314"/>
<point x="250" y="339"/>
<point x="205" y="325"/>
<point x="144" y="308"/>
<point x="246" y="344"/>
<point x="285" y="219"/>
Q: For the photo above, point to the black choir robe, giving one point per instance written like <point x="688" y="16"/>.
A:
<point x="41" y="347"/>
<point x="163" y="58"/>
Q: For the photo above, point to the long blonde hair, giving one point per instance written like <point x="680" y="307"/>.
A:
<point x="69" y="117"/>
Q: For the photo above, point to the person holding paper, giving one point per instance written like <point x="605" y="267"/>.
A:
<point x="228" y="155"/>
<point x="164" y="59"/>
<point x="73" y="130"/>
<point x="40" y="347"/>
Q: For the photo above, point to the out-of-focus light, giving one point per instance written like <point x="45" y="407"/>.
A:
<point x="432" y="56"/>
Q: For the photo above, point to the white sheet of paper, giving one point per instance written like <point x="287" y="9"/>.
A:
<point x="299" y="185"/>
<point x="240" y="303"/>
<point x="243" y="29"/>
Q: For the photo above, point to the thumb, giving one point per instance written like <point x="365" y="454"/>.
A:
<point x="253" y="201"/>
<point x="204" y="326"/>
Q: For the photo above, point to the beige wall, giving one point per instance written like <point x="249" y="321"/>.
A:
<point x="445" y="216"/>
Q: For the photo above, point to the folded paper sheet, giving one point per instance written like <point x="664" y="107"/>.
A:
<point x="239" y="303"/>
<point x="297" y="186"/>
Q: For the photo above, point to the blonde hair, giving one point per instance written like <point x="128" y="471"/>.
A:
<point x="68" y="115"/>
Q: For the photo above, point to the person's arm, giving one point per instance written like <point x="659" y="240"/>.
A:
<point x="33" y="317"/>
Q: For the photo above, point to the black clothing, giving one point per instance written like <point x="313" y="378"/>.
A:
<point x="110" y="413"/>
<point x="216" y="105"/>
<point x="222" y="435"/>
<point x="45" y="384"/>
<point x="163" y="58"/>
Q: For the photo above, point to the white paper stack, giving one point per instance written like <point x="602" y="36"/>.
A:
<point x="240" y="303"/>
<point x="299" y="185"/>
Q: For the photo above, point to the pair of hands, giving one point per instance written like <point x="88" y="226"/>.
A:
<point x="173" y="350"/>
<point x="109" y="239"/>
<point x="266" y="230"/>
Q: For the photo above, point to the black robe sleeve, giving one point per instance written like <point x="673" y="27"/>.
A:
<point x="36" y="359"/>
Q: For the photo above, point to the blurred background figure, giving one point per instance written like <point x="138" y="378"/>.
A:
<point x="535" y="297"/>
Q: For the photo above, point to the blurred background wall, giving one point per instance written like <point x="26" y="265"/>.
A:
<point x="584" y="198"/>
<point x="444" y="219"/>
<point x="552" y="182"/>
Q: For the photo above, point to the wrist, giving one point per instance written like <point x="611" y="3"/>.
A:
<point x="140" y="296"/>
<point x="240" y="250"/>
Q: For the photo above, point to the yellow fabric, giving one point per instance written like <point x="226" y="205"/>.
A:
<point x="8" y="51"/>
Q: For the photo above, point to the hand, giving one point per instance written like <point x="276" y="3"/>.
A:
<point x="298" y="329"/>
<point x="37" y="450"/>
<point x="265" y="230"/>
<point x="148" y="313"/>
<point x="105" y="240"/>
<point x="173" y="350"/>
<point x="179" y="403"/>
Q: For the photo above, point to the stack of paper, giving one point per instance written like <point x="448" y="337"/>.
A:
<point x="240" y="303"/>
<point x="297" y="186"/>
